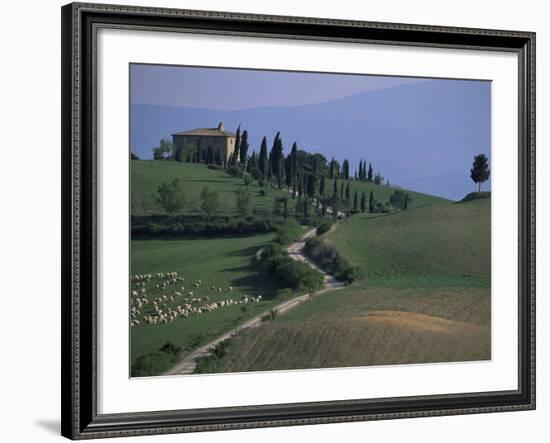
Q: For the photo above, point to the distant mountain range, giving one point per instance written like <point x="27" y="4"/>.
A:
<point x="420" y="136"/>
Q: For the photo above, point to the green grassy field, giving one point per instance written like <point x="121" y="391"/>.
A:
<point x="148" y="175"/>
<point x="382" y="193"/>
<point x="425" y="297"/>
<point x="218" y="262"/>
<point x="441" y="243"/>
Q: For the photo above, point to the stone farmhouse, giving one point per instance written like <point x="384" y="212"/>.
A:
<point x="204" y="145"/>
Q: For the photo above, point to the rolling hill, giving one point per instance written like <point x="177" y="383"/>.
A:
<point x="425" y="297"/>
<point x="446" y="240"/>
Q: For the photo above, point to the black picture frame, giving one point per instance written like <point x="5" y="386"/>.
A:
<point x="79" y="170"/>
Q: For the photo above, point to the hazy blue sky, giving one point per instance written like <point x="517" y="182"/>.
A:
<point x="236" y="89"/>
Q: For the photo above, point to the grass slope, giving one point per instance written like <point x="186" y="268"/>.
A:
<point x="148" y="175"/>
<point x="447" y="242"/>
<point x="363" y="326"/>
<point x="382" y="193"/>
<point x="425" y="297"/>
<point x="219" y="262"/>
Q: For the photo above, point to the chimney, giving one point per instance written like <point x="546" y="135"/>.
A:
<point x="221" y="127"/>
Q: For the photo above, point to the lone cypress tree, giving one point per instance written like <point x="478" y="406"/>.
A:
<point x="243" y="147"/>
<point x="262" y="160"/>
<point x="363" y="202"/>
<point x="480" y="170"/>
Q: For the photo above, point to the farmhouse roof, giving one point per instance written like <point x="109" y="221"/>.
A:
<point x="211" y="132"/>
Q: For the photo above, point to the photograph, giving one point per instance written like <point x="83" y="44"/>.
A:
<point x="294" y="220"/>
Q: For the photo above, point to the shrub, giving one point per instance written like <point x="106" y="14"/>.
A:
<point x="256" y="174"/>
<point x="312" y="243"/>
<point x="288" y="232"/>
<point x="271" y="250"/>
<point x="323" y="227"/>
<point x="243" y="201"/>
<point x="209" y="201"/>
<point x="150" y="364"/>
<point x="170" y="348"/>
<point x="155" y="363"/>
<point x="170" y="196"/>
<point x="213" y="362"/>
<point x="234" y="171"/>
<point x="328" y="258"/>
<point x="289" y="273"/>
<point x="249" y="225"/>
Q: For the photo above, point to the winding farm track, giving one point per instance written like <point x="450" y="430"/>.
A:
<point x="296" y="252"/>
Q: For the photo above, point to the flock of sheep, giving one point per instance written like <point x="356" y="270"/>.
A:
<point x="175" y="303"/>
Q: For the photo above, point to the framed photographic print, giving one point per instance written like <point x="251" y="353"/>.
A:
<point x="274" y="221"/>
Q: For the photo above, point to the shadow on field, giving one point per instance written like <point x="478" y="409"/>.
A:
<point x="246" y="252"/>
<point x="253" y="282"/>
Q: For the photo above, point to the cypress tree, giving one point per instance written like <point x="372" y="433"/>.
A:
<point x="363" y="202"/>
<point x="369" y="176"/>
<point x="252" y="162"/>
<point x="243" y="146"/>
<point x="345" y="169"/>
<point x="371" y="202"/>
<point x="331" y="169"/>
<point x="237" y="142"/>
<point x="311" y="185"/>
<point x="294" y="165"/>
<point x="277" y="159"/>
<point x="263" y="163"/>
<point x="288" y="172"/>
<point x="322" y="186"/>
